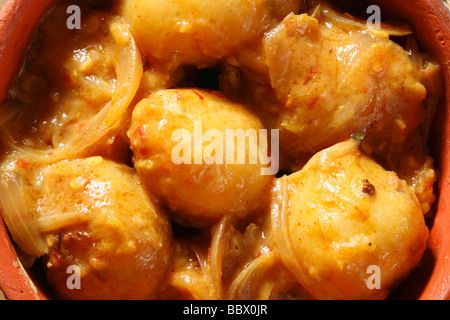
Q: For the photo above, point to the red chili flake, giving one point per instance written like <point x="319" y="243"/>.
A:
<point x="312" y="103"/>
<point x="22" y="163"/>
<point x="218" y="94"/>
<point x="313" y="71"/>
<point x="364" y="89"/>
<point x="178" y="97"/>
<point x="143" y="152"/>
<point x="368" y="188"/>
<point x="55" y="260"/>
<point x="199" y="95"/>
<point x="140" y="131"/>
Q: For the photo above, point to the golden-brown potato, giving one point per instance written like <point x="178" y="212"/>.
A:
<point x="199" y="32"/>
<point x="182" y="154"/>
<point x="319" y="78"/>
<point x="347" y="228"/>
<point x="98" y="219"/>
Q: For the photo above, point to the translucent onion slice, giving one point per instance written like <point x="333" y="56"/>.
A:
<point x="280" y="230"/>
<point x="57" y="222"/>
<point x="347" y="19"/>
<point x="219" y="244"/>
<point x="202" y="260"/>
<point x="100" y="85"/>
<point x="413" y="49"/>
<point x="128" y="66"/>
<point x="24" y="230"/>
<point x="245" y="279"/>
<point x="187" y="277"/>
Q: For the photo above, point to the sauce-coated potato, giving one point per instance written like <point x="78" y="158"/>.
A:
<point x="178" y="138"/>
<point x="101" y="222"/>
<point x="198" y="31"/>
<point x="320" y="80"/>
<point x="354" y="230"/>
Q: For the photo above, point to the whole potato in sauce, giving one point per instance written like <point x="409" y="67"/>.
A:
<point x="199" y="32"/>
<point x="197" y="183"/>
<point x="318" y="79"/>
<point x="99" y="219"/>
<point x="351" y="230"/>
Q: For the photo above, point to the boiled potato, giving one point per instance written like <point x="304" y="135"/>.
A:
<point x="99" y="220"/>
<point x="199" y="32"/>
<point x="319" y="79"/>
<point x="349" y="229"/>
<point x="182" y="155"/>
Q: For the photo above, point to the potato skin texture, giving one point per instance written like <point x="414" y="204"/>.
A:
<point x="197" y="194"/>
<point x="123" y="249"/>
<point x="199" y="32"/>
<point x="345" y="214"/>
<point x="319" y="81"/>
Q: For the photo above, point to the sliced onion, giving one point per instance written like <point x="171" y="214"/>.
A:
<point x="196" y="281"/>
<point x="245" y="277"/>
<point x="201" y="258"/>
<point x="128" y="66"/>
<point x="347" y="19"/>
<point x="56" y="222"/>
<point x="23" y="229"/>
<point x="280" y="230"/>
<point x="219" y="244"/>
<point x="413" y="49"/>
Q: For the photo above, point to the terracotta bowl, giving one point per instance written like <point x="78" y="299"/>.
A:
<point x="430" y="22"/>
